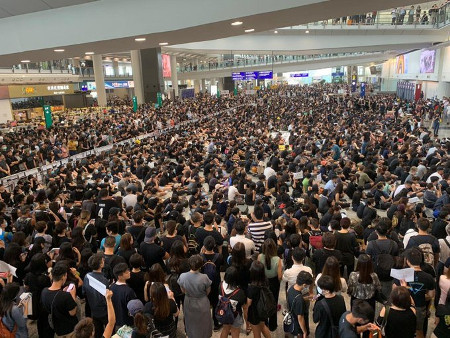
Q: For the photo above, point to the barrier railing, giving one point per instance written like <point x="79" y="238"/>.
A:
<point x="10" y="181"/>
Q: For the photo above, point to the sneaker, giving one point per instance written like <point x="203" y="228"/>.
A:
<point x="217" y="328"/>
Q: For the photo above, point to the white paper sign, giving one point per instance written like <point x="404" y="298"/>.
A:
<point x="406" y="274"/>
<point x="97" y="285"/>
<point x="298" y="175"/>
<point x="5" y="267"/>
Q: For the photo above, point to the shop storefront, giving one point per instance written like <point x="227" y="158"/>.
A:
<point x="27" y="101"/>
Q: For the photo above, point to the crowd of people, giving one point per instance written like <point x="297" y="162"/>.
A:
<point x="214" y="220"/>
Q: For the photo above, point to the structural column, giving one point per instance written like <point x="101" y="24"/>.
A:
<point x="174" y="78"/>
<point x="137" y="76"/>
<point x="196" y="86"/>
<point x="220" y="84"/>
<point x="99" y="80"/>
<point x="115" y="65"/>
<point x="203" y="85"/>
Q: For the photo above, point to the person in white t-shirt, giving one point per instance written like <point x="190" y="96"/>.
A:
<point x="250" y="247"/>
<point x="233" y="191"/>
<point x="268" y="172"/>
<point x="290" y="275"/>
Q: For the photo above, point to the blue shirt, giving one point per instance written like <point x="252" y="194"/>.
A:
<point x="116" y="247"/>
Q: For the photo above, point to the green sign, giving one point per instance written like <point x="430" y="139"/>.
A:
<point x="159" y="99"/>
<point x="218" y="93"/>
<point x="235" y="92"/>
<point x="48" y="116"/>
<point x="135" y="104"/>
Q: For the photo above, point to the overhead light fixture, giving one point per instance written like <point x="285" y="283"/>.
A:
<point x="163" y="43"/>
<point x="276" y="32"/>
<point x="307" y="32"/>
<point x="249" y="30"/>
<point x="89" y="53"/>
<point x="140" y="39"/>
<point x="25" y="61"/>
<point x="236" y="23"/>
<point x="59" y="50"/>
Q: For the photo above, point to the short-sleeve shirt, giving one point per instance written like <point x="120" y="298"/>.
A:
<point x="379" y="246"/>
<point x="423" y="282"/>
<point x="152" y="253"/>
<point x="298" y="306"/>
<point x="415" y="241"/>
<point x="149" y="308"/>
<point x="346" y="330"/>
<point x="257" y="231"/>
<point x="201" y="234"/>
<point x="63" y="302"/>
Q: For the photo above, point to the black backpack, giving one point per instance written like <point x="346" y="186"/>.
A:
<point x="266" y="306"/>
<point x="384" y="262"/>
<point x="172" y="281"/>
<point x="193" y="248"/>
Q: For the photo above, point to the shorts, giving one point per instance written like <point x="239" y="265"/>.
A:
<point x="421" y="314"/>
<point x="238" y="321"/>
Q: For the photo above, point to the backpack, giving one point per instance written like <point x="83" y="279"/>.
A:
<point x="384" y="262"/>
<point x="192" y="242"/>
<point x="172" y="281"/>
<point x="427" y="251"/>
<point x="289" y="318"/>
<point x="224" y="311"/>
<point x="209" y="268"/>
<point x="316" y="241"/>
<point x="4" y="332"/>
<point x="266" y="306"/>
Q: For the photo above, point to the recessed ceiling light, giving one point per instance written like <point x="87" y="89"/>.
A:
<point x="236" y="23"/>
<point x="307" y="32"/>
<point x="59" y="50"/>
<point x="140" y="39"/>
<point x="276" y="32"/>
<point x="163" y="43"/>
<point x="89" y="53"/>
<point x="249" y="30"/>
<point x="25" y="61"/>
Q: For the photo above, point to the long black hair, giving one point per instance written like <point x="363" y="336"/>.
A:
<point x="9" y="293"/>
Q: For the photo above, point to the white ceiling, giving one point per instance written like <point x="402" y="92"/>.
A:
<point x="19" y="7"/>
<point x="110" y="26"/>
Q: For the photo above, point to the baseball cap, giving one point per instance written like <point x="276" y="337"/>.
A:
<point x="134" y="306"/>
<point x="150" y="233"/>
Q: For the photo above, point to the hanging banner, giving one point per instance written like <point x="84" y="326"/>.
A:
<point x="135" y="104"/>
<point x="363" y="89"/>
<point x="48" y="116"/>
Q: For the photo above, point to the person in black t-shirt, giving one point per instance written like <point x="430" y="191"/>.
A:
<point x="152" y="252"/>
<point x="208" y="230"/>
<point x="122" y="294"/>
<point x="331" y="305"/>
<point x="104" y="204"/>
<point x="320" y="255"/>
<point x="60" y="303"/>
<point x="422" y="289"/>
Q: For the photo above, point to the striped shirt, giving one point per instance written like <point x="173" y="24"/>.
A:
<point x="257" y="231"/>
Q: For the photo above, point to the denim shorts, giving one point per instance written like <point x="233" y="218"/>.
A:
<point x="238" y="321"/>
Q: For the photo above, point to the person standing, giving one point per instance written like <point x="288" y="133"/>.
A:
<point x="298" y="305"/>
<point x="60" y="304"/>
<point x="329" y="309"/>
<point x="95" y="300"/>
<point x="422" y="289"/>
<point x="258" y="227"/>
<point x="196" y="286"/>
<point x="122" y="294"/>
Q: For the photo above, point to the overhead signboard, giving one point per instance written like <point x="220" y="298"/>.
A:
<point x="337" y="74"/>
<point x="299" y="75"/>
<point x="41" y="90"/>
<point x="259" y="75"/>
<point x="111" y="85"/>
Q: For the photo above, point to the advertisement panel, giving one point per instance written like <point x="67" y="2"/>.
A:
<point x="111" y="85"/>
<point x="167" y="71"/>
<point x="427" y="61"/>
<point x="258" y="75"/>
<point x="401" y="64"/>
<point x="41" y="90"/>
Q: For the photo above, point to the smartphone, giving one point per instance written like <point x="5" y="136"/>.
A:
<point x="70" y="287"/>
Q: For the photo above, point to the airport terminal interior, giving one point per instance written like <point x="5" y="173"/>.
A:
<point x="224" y="168"/>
